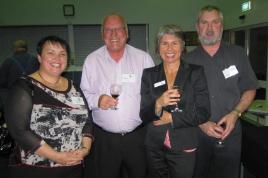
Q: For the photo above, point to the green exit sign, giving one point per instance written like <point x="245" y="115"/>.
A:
<point x="246" y="6"/>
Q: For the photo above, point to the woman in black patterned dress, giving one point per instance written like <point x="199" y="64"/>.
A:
<point x="48" y="118"/>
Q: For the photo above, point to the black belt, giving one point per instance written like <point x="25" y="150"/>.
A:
<point x="121" y="133"/>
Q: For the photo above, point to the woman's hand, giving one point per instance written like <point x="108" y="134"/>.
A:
<point x="166" y="118"/>
<point x="61" y="158"/>
<point x="169" y="97"/>
<point x="82" y="152"/>
<point x="69" y="158"/>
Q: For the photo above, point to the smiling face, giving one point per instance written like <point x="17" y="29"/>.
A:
<point x="210" y="27"/>
<point x="115" y="33"/>
<point x="170" y="48"/>
<point x="53" y="59"/>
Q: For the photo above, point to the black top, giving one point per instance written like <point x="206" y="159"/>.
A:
<point x="225" y="90"/>
<point x="35" y="112"/>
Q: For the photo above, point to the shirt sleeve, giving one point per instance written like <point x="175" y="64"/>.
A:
<point x="18" y="111"/>
<point x="88" y="127"/>
<point x="87" y="86"/>
<point x="148" y="61"/>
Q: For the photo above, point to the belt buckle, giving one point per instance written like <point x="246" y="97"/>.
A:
<point x="123" y="133"/>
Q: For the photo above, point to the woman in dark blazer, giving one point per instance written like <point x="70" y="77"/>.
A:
<point x="171" y="138"/>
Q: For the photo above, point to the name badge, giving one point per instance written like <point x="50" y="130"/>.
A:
<point x="157" y="84"/>
<point x="77" y="100"/>
<point x="128" y="78"/>
<point x="230" y="71"/>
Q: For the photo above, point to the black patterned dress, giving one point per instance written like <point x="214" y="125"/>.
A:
<point x="36" y="113"/>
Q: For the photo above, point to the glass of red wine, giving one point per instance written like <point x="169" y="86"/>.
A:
<point x="115" y="91"/>
<point x="177" y="109"/>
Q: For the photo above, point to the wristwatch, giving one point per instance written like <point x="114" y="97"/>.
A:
<point x="237" y="112"/>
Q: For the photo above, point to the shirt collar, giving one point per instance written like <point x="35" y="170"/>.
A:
<point x="108" y="57"/>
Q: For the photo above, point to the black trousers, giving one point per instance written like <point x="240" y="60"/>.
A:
<point x="167" y="163"/>
<point x="41" y="172"/>
<point x="3" y="166"/>
<point x="215" y="162"/>
<point x="113" y="153"/>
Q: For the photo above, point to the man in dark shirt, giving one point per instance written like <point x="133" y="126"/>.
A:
<point x="232" y="86"/>
<point x="20" y="63"/>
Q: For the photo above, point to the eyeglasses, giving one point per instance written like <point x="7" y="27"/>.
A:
<point x="115" y="30"/>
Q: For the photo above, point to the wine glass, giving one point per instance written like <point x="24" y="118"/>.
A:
<point x="177" y="109"/>
<point x="220" y="143"/>
<point x="115" y="91"/>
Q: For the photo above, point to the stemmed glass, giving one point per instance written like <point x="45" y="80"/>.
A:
<point x="115" y="91"/>
<point x="220" y="143"/>
<point x="177" y="109"/>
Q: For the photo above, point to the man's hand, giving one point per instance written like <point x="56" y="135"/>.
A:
<point x="229" y="121"/>
<point x="212" y="129"/>
<point x="106" y="102"/>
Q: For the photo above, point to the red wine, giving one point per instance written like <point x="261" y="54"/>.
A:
<point x="115" y="96"/>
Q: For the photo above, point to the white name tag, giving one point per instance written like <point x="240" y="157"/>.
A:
<point x="157" y="84"/>
<point x="77" y="100"/>
<point x="128" y="78"/>
<point x="230" y="71"/>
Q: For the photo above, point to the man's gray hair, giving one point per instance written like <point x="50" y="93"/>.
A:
<point x="117" y="15"/>
<point x="209" y="8"/>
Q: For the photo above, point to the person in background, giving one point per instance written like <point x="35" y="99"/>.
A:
<point x="20" y="63"/>
<point x="118" y="128"/>
<point x="173" y="115"/>
<point x="48" y="118"/>
<point x="232" y="86"/>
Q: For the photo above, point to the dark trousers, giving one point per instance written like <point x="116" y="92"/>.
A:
<point x="113" y="153"/>
<point x="215" y="162"/>
<point x="167" y="163"/>
<point x="41" y="172"/>
<point x="3" y="166"/>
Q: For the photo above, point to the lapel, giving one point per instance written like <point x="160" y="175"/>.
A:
<point x="182" y="75"/>
<point x="159" y="77"/>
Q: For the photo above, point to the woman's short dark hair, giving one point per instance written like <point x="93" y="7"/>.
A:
<point x="170" y="29"/>
<point x="53" y="40"/>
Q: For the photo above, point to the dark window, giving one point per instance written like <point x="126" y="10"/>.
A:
<point x="258" y="51"/>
